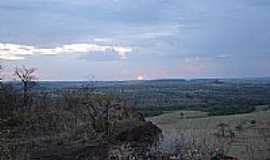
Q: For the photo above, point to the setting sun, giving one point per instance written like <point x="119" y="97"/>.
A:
<point x="140" y="78"/>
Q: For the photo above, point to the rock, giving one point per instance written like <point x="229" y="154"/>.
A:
<point x="139" y="132"/>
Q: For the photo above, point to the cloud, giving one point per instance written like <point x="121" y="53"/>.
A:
<point x="10" y="51"/>
<point x="106" y="40"/>
<point x="206" y="58"/>
<point x="223" y="56"/>
<point x="197" y="59"/>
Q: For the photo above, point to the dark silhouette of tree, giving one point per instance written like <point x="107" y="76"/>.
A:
<point x="182" y="115"/>
<point x="98" y="108"/>
<point x="222" y="128"/>
<point x="27" y="77"/>
<point x="1" y="78"/>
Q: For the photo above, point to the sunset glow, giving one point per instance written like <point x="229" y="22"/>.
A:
<point x="140" y="78"/>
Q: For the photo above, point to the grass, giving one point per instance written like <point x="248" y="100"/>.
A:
<point x="200" y="126"/>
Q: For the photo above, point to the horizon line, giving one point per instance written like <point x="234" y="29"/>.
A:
<point x="158" y="79"/>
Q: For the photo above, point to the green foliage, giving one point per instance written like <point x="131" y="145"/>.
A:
<point x="151" y="113"/>
<point x="229" y="110"/>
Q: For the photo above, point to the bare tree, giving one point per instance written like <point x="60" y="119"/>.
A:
<point x="222" y="127"/>
<point x="27" y="77"/>
<point x="1" y="69"/>
<point x="1" y="77"/>
<point x="98" y="109"/>
<point x="88" y="86"/>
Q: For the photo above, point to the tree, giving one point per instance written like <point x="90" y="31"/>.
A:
<point x="1" y="78"/>
<point x="27" y="77"/>
<point x="222" y="129"/>
<point x="88" y="86"/>
<point x="101" y="110"/>
<point x="182" y="115"/>
<point x="0" y="71"/>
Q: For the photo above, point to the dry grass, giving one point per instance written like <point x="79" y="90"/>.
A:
<point x="250" y="140"/>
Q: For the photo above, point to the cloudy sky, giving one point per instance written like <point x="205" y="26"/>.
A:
<point x="130" y="39"/>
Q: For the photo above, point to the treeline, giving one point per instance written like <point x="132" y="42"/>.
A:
<point x="217" y="99"/>
<point x="215" y="110"/>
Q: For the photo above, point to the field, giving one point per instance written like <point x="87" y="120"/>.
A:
<point x="154" y="97"/>
<point x="250" y="138"/>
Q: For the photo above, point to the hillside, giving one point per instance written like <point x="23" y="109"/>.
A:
<point x="249" y="139"/>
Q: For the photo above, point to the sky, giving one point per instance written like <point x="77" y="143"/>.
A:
<point x="136" y="39"/>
